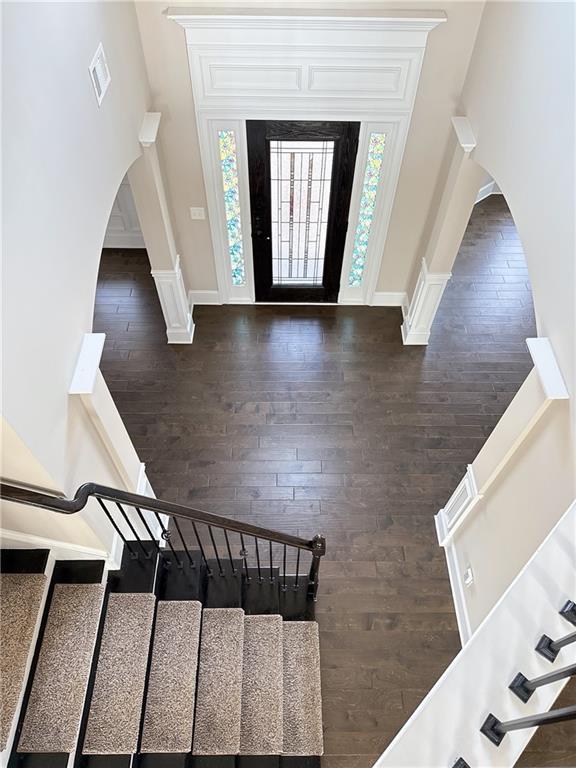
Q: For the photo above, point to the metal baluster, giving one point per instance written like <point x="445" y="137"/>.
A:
<point x="133" y="553"/>
<point x="188" y="555"/>
<point x="258" y="559"/>
<point x="244" y="556"/>
<point x="166" y="536"/>
<point x="147" y="554"/>
<point x="271" y="563"/>
<point x="284" y="558"/>
<point x="216" y="551"/>
<point x="297" y="570"/>
<point x="234" y="569"/>
<point x="551" y="648"/>
<point x="145" y="524"/>
<point x="495" y="729"/>
<point x="524" y="688"/>
<point x="203" y="554"/>
<point x="165" y="560"/>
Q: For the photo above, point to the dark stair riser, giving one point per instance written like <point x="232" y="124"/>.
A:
<point x="24" y="560"/>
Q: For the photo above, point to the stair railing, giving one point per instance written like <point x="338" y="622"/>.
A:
<point x="114" y="503"/>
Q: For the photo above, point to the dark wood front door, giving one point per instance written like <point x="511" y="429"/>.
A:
<point x="301" y="177"/>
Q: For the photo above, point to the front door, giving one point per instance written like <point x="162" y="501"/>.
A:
<point x="301" y="177"/>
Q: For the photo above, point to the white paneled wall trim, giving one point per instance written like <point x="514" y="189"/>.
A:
<point x="314" y="65"/>
<point x="422" y="309"/>
<point x="458" y="506"/>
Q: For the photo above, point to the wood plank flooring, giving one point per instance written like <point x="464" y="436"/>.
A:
<point x="317" y="419"/>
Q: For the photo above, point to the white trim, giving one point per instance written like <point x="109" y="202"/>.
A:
<point x="464" y="133"/>
<point x="61" y="550"/>
<point x="422" y="309"/>
<point x="203" y="297"/>
<point x="250" y="65"/>
<point x="548" y="369"/>
<point x="396" y="131"/>
<point x="128" y="240"/>
<point x="458" y="507"/>
<point x="87" y="364"/>
<point x="208" y="129"/>
<point x="149" y="128"/>
<point x="174" y="302"/>
<point x="488" y="189"/>
<point x="457" y="587"/>
<point x="390" y="299"/>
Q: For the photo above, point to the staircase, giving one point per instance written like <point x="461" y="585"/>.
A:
<point x="177" y="659"/>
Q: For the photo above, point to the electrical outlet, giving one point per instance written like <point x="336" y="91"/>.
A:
<point x="197" y="214"/>
<point x="468" y="577"/>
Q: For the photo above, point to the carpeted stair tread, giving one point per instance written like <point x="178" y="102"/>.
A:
<point x="20" y="601"/>
<point x="219" y="695"/>
<point x="52" y="719"/>
<point x="302" y="693"/>
<point x="262" y="682"/>
<point x="116" y="705"/>
<point x="169" y="712"/>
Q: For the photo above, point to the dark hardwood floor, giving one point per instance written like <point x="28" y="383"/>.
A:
<point x="317" y="419"/>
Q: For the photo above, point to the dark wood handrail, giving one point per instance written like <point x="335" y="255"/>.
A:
<point x="22" y="495"/>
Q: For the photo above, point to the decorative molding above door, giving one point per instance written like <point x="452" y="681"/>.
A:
<point x="318" y="66"/>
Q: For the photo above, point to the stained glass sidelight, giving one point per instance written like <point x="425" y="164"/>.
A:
<point x="229" y="165"/>
<point x="300" y="174"/>
<point x="374" y="162"/>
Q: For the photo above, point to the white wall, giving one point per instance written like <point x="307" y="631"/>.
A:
<point x="519" y="97"/>
<point x="64" y="159"/>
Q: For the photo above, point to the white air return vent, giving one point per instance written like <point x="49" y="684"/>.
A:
<point x="100" y="73"/>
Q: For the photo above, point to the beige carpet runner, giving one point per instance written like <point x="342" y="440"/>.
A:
<point x="170" y="677"/>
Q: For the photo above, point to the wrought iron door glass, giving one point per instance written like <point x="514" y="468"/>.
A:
<point x="300" y="176"/>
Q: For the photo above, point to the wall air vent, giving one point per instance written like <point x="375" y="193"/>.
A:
<point x="100" y="74"/>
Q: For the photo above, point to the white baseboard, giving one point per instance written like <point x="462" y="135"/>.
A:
<point x="203" y="297"/>
<point x="181" y="335"/>
<point x="60" y="550"/>
<point x="488" y="189"/>
<point x="124" y="240"/>
<point x="390" y="299"/>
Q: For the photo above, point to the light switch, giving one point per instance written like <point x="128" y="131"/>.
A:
<point x="468" y="577"/>
<point x="197" y="214"/>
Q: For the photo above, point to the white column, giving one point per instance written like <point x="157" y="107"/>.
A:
<point x="422" y="310"/>
<point x="174" y="303"/>
<point x="151" y="203"/>
<point x="454" y="209"/>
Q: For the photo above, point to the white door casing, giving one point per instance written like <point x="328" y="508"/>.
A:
<point x="303" y="67"/>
